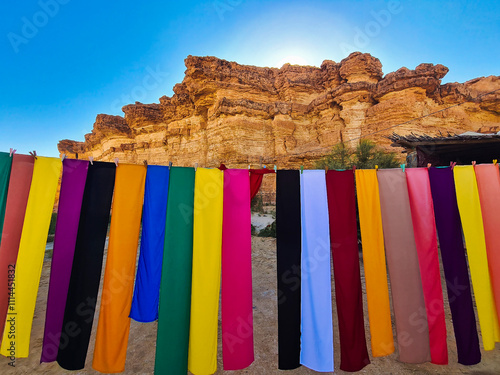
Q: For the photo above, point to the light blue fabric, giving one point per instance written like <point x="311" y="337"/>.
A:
<point x="316" y="351"/>
<point x="147" y="282"/>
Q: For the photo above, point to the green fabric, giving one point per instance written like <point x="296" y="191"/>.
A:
<point x="5" y="164"/>
<point x="175" y="289"/>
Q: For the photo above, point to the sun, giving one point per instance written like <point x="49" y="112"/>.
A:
<point x="293" y="60"/>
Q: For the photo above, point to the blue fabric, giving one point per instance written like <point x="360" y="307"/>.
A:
<point x="147" y="282"/>
<point x="316" y="351"/>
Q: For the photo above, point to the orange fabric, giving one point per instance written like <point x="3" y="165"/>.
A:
<point x="379" y="313"/>
<point x="488" y="181"/>
<point x="114" y="322"/>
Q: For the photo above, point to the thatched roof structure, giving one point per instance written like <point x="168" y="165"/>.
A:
<point x="443" y="149"/>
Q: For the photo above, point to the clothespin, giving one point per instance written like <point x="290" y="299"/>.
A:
<point x="301" y="169"/>
<point x="248" y="166"/>
<point x="403" y="166"/>
<point x="428" y="165"/>
<point x="63" y="157"/>
<point x="116" y="162"/>
<point x="452" y="164"/>
<point x="145" y="163"/>
<point x="353" y="168"/>
<point x="91" y="160"/>
<point x="33" y="153"/>
<point x="326" y="168"/>
<point x="260" y="162"/>
<point x="473" y="163"/>
<point x="376" y="167"/>
<point x="495" y="161"/>
<point x="169" y="164"/>
<point x="195" y="166"/>
<point x="275" y="168"/>
<point x="12" y="152"/>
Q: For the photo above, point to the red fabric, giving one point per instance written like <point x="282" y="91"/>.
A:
<point x="424" y="227"/>
<point x="256" y="176"/>
<point x="344" y="244"/>
<point x="17" y="200"/>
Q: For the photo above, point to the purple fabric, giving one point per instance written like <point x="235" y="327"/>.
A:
<point x="70" y="203"/>
<point x="455" y="264"/>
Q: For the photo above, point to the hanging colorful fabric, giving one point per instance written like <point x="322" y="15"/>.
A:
<point x="87" y="264"/>
<point x="288" y="253"/>
<point x="402" y="260"/>
<point x="5" y="167"/>
<point x="207" y="243"/>
<point x="472" y="224"/>
<point x="30" y="258"/>
<point x="175" y="291"/>
<point x="316" y="351"/>
<point x="15" y="208"/>
<point x="424" y="227"/>
<point x="68" y="216"/>
<point x="454" y="265"/>
<point x="488" y="183"/>
<point x="147" y="281"/>
<point x="114" y="323"/>
<point x="344" y="245"/>
<point x="236" y="294"/>
<point x="372" y="238"/>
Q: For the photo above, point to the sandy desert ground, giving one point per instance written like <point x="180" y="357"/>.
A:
<point x="141" y="348"/>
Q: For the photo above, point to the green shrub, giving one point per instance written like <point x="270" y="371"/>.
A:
<point x="52" y="227"/>
<point x="366" y="155"/>
<point x="269" y="231"/>
<point x="257" y="204"/>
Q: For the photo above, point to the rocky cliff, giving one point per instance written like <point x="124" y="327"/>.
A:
<point x="224" y="112"/>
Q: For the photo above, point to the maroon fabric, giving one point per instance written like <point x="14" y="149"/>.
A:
<point x="344" y="244"/>
<point x="256" y="176"/>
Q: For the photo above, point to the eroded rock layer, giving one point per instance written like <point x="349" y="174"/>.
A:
<point x="224" y="112"/>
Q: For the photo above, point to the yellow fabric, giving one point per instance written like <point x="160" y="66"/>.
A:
<point x="372" y="236"/>
<point x="472" y="224"/>
<point x="114" y="323"/>
<point x="207" y="245"/>
<point x="16" y="337"/>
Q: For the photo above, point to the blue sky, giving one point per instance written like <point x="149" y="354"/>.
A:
<point x="64" y="61"/>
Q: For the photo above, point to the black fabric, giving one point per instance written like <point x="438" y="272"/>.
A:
<point x="87" y="265"/>
<point x="288" y="241"/>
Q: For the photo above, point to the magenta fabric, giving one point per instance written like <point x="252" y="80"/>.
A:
<point x="73" y="180"/>
<point x="424" y="228"/>
<point x="237" y="314"/>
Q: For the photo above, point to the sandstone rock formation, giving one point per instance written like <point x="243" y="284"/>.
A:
<point x="224" y="112"/>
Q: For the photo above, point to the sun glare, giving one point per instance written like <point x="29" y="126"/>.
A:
<point x="293" y="60"/>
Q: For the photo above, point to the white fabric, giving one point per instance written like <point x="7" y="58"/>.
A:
<point x="316" y="350"/>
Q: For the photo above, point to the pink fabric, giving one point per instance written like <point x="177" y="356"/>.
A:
<point x="237" y="314"/>
<point x="424" y="227"/>
<point x="488" y="184"/>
